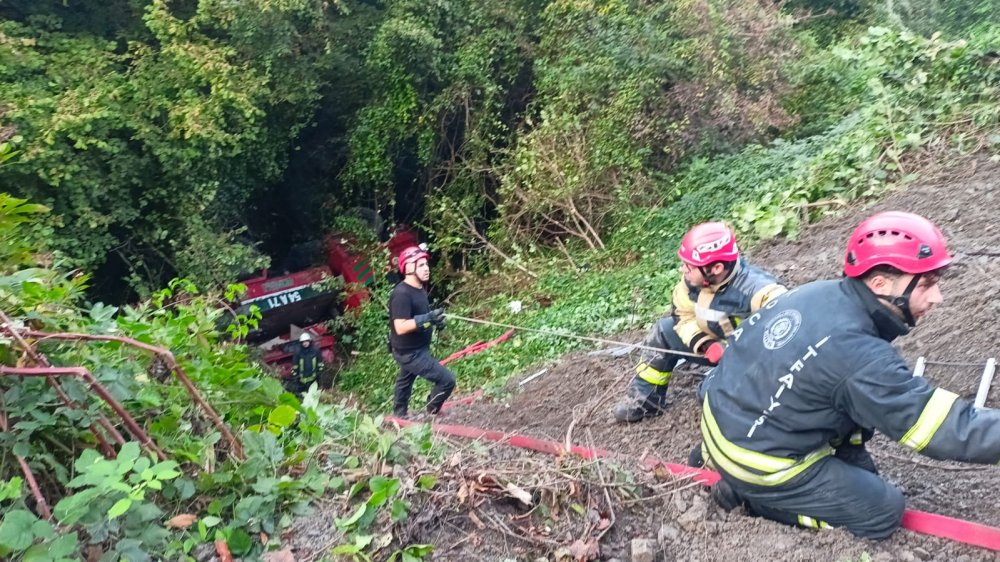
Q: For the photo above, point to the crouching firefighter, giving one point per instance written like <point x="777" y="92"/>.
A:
<point x="717" y="291"/>
<point x="807" y="380"/>
<point x="411" y="325"/>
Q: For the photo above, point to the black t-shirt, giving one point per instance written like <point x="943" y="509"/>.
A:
<point x="405" y="302"/>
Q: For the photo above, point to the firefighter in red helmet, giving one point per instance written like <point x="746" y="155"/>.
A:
<point x="717" y="290"/>
<point x="806" y="381"/>
<point x="411" y="325"/>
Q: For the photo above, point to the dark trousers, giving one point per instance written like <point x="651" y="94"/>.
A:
<point x="834" y="493"/>
<point x="421" y="363"/>
<point x="662" y="336"/>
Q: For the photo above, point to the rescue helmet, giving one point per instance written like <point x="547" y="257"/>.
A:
<point x="305" y="337"/>
<point x="905" y="241"/>
<point x="410" y="255"/>
<point x="708" y="243"/>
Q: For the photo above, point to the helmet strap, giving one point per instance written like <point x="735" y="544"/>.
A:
<point x="728" y="269"/>
<point x="706" y="277"/>
<point x="902" y="302"/>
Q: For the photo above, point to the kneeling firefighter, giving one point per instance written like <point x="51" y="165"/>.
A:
<point x="718" y="289"/>
<point x="811" y="377"/>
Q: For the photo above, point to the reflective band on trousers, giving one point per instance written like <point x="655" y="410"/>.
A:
<point x="930" y="419"/>
<point x="302" y="366"/>
<point x="651" y="375"/>
<point x="811" y="523"/>
<point x="740" y="463"/>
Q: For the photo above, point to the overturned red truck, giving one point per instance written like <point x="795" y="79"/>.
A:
<point x="302" y="301"/>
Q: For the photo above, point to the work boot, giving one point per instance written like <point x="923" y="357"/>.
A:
<point x="629" y="411"/>
<point x="695" y="459"/>
<point x="725" y="496"/>
<point x="640" y="404"/>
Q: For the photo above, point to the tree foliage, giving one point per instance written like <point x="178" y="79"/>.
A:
<point x="146" y="144"/>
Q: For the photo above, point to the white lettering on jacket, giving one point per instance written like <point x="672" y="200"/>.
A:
<point x="786" y="382"/>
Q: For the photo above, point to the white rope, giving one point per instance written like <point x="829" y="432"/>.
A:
<point x="576" y="337"/>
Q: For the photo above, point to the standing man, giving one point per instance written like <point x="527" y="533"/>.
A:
<point x="717" y="291"/>
<point x="306" y="365"/>
<point x="411" y="324"/>
<point x="807" y="380"/>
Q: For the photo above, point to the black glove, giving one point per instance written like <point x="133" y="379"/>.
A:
<point x="439" y="319"/>
<point x="858" y="456"/>
<point x="424" y="321"/>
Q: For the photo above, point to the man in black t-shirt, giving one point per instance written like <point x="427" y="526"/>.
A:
<point x="411" y="324"/>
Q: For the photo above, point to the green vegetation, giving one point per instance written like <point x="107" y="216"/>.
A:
<point x="291" y="452"/>
<point x="937" y="102"/>
<point x="553" y="152"/>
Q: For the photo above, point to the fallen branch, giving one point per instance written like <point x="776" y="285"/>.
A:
<point x="500" y="526"/>
<point x="604" y="488"/>
<point x="475" y="232"/>
<point x="41" y="361"/>
<point x="169" y="359"/>
<point x="137" y="432"/>
<point x="29" y="476"/>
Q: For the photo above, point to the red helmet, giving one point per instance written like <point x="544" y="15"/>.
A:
<point x="708" y="243"/>
<point x="908" y="242"/>
<point x="410" y="255"/>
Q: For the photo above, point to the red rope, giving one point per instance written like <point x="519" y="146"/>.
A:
<point x="476" y="348"/>
<point x="959" y="530"/>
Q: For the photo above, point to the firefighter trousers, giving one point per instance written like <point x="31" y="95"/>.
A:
<point x="832" y="493"/>
<point x="421" y="363"/>
<point x="655" y="368"/>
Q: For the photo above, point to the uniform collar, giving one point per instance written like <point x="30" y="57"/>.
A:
<point x="889" y="325"/>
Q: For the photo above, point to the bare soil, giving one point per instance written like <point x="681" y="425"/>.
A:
<point x="473" y="514"/>
<point x="582" y="388"/>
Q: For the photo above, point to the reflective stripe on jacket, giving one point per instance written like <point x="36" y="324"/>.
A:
<point x="812" y="368"/>
<point x="307" y="366"/>
<point x="706" y="314"/>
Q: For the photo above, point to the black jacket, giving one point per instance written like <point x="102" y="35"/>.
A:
<point x="307" y="364"/>
<point x="703" y="315"/>
<point x="813" y="368"/>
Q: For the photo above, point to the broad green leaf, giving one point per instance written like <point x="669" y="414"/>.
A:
<point x="127" y="457"/>
<point x="399" y="511"/>
<point x="427" y="481"/>
<point x="15" y="529"/>
<point x="120" y="507"/>
<point x="345" y="523"/>
<point x="37" y="553"/>
<point x="282" y="416"/>
<point x="64" y="546"/>
<point x="43" y="529"/>
<point x="240" y="542"/>
<point x="72" y="508"/>
<point x="11" y="489"/>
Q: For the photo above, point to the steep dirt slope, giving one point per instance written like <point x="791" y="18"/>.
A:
<point x="583" y="387"/>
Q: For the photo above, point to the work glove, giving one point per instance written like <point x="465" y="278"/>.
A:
<point x="857" y="455"/>
<point x="714" y="353"/>
<point x="434" y="317"/>
<point x="439" y="320"/>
